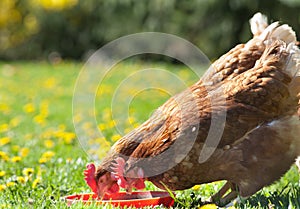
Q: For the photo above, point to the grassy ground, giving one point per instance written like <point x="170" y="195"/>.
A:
<point x="41" y="159"/>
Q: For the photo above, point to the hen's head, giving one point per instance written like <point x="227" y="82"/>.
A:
<point x="100" y="182"/>
<point x="103" y="181"/>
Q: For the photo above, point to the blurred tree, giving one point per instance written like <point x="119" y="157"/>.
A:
<point x="73" y="28"/>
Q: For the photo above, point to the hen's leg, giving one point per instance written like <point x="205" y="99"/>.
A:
<point x="222" y="200"/>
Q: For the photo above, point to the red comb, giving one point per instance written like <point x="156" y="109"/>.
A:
<point x="118" y="171"/>
<point x="89" y="177"/>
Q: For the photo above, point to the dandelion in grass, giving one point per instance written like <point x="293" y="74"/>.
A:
<point x="5" y="140"/>
<point x="21" y="179"/>
<point x="40" y="119"/>
<point x="196" y="187"/>
<point x="48" y="154"/>
<point x="4" y="108"/>
<point x="44" y="108"/>
<point x="2" y="187"/>
<point x="50" y="83"/>
<point x="131" y="120"/>
<point x="111" y="124"/>
<point x="15" y="159"/>
<point x="48" y="143"/>
<point x="29" y="108"/>
<point x="43" y="160"/>
<point x="4" y="128"/>
<point x="10" y="184"/>
<point x="2" y="173"/>
<point x="209" y="206"/>
<point x="28" y="171"/>
<point x="24" y="152"/>
<point x="14" y="122"/>
<point x="36" y="181"/>
<point x="4" y="156"/>
<point x="102" y="126"/>
<point x="116" y="137"/>
<point x="68" y="137"/>
<point x="136" y="125"/>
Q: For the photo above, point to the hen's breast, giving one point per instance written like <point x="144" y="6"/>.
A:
<point x="268" y="152"/>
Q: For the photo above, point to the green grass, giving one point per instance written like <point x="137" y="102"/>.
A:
<point x="36" y="125"/>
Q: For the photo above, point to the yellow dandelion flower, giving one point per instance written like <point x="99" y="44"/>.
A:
<point x="131" y="120"/>
<point x="102" y="126"/>
<point x="27" y="171"/>
<point x="196" y="187"/>
<point x="2" y="173"/>
<point x="44" y="108"/>
<point x="209" y="206"/>
<point x="48" y="154"/>
<point x="2" y="187"/>
<point x="10" y="184"/>
<point x="15" y="159"/>
<point x="115" y="137"/>
<point x="50" y="83"/>
<point x="47" y="134"/>
<point x="68" y="137"/>
<point x="48" y="143"/>
<point x="4" y="156"/>
<point x="40" y="119"/>
<point x="24" y="152"/>
<point x="29" y="108"/>
<point x="111" y="124"/>
<point x="21" y="179"/>
<point x="4" y="108"/>
<point x="69" y="160"/>
<point x="4" y="127"/>
<point x="43" y="160"/>
<point x="136" y="125"/>
<point x="4" y="141"/>
<point x="15" y="122"/>
<point x="36" y="182"/>
<point x="39" y="172"/>
<point x="15" y="148"/>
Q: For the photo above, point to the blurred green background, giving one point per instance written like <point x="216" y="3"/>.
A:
<point x="73" y="29"/>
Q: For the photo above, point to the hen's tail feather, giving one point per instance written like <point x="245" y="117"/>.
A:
<point x="261" y="29"/>
<point x="258" y="23"/>
<point x="293" y="63"/>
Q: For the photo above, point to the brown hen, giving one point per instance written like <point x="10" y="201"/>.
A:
<point x="238" y="123"/>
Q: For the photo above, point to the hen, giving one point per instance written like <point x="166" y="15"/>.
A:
<point x="248" y="98"/>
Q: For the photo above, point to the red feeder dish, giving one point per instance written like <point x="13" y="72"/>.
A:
<point x="121" y="199"/>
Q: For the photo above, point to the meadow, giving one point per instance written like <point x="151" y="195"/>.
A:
<point x="41" y="159"/>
